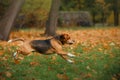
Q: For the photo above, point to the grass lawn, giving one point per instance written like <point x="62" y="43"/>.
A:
<point x="100" y="61"/>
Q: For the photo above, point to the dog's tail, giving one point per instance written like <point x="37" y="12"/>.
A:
<point x="17" y="39"/>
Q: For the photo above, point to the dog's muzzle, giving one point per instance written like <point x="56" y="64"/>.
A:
<point x="70" y="41"/>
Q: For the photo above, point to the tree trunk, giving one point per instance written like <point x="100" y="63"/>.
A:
<point x="93" y="19"/>
<point x="103" y="18"/>
<point x="8" y="20"/>
<point x="51" y="23"/>
<point x="116" y="13"/>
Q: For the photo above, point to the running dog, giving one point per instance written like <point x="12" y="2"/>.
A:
<point x="48" y="46"/>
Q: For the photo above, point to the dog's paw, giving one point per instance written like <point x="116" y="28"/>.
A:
<point x="14" y="55"/>
<point x="9" y="41"/>
<point x="70" y="61"/>
<point x="71" y="55"/>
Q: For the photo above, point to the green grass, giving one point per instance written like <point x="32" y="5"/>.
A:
<point x="92" y="65"/>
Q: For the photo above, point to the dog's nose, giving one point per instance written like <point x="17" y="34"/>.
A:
<point x="71" y="41"/>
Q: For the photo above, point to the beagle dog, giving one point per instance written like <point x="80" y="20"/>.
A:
<point x="48" y="46"/>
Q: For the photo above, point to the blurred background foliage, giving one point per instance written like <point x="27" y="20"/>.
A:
<point x="34" y="13"/>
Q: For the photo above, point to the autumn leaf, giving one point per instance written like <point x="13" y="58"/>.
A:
<point x="34" y="63"/>
<point x="113" y="78"/>
<point x="106" y="46"/>
<point x="63" y="76"/>
<point x="16" y="61"/>
<point x="100" y="49"/>
<point x="5" y="58"/>
<point x="8" y="74"/>
<point x="53" y="58"/>
<point x="88" y="75"/>
<point x="1" y="53"/>
<point x="88" y="67"/>
<point x="77" y="79"/>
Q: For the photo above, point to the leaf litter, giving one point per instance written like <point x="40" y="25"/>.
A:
<point x="88" y="39"/>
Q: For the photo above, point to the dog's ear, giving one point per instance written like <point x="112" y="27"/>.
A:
<point x="65" y="36"/>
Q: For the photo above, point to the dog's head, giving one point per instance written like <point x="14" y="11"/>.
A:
<point x="65" y="39"/>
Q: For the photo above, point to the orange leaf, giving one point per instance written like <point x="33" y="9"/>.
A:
<point x="34" y="63"/>
<point x="62" y="76"/>
<point x="53" y="58"/>
<point x="88" y="75"/>
<point x="8" y="74"/>
<point x="100" y="49"/>
<point x="16" y="61"/>
<point x="1" y="53"/>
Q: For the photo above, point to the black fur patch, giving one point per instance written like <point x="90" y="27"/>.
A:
<point x="41" y="45"/>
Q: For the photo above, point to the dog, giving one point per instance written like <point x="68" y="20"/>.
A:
<point x="48" y="46"/>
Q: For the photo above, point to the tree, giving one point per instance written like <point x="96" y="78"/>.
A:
<point x="71" y="5"/>
<point x="7" y="22"/>
<point x="3" y="5"/>
<point x="84" y="5"/>
<point x="103" y="9"/>
<point x="90" y="5"/>
<point x="115" y="8"/>
<point x="51" y="23"/>
<point x="116" y="12"/>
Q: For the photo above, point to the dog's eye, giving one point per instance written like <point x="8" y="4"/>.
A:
<point x="62" y="37"/>
<point x="65" y="36"/>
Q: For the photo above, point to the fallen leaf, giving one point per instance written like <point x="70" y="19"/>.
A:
<point x="34" y="63"/>
<point x="53" y="58"/>
<point x="77" y="79"/>
<point x="5" y="58"/>
<point x="113" y="78"/>
<point x="62" y="76"/>
<point x="88" y="75"/>
<point x="1" y="53"/>
<point x="100" y="49"/>
<point x="88" y="67"/>
<point x="16" y="61"/>
<point x="8" y="74"/>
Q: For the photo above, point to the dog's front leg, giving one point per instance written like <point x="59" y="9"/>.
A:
<point x="65" y="55"/>
<point x="66" y="58"/>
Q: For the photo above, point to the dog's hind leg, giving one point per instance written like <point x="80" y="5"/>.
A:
<point x="70" y="55"/>
<point x="70" y="61"/>
<point x="15" y="54"/>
